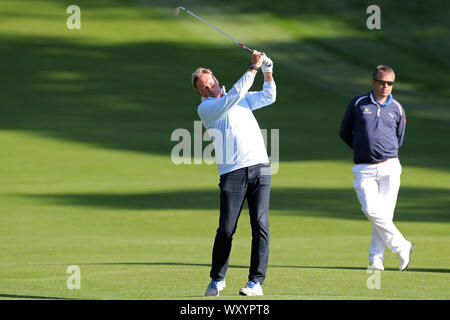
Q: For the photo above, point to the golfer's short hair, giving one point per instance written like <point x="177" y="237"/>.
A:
<point x="381" y="69"/>
<point x="197" y="74"/>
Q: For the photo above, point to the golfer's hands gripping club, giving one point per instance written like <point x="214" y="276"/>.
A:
<point x="258" y="62"/>
<point x="257" y="58"/>
<point x="267" y="65"/>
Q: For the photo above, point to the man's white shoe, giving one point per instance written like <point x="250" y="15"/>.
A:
<point x="253" y="288"/>
<point x="376" y="264"/>
<point x="214" y="287"/>
<point x="405" y="255"/>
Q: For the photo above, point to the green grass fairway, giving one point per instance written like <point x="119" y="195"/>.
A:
<point x="86" y="176"/>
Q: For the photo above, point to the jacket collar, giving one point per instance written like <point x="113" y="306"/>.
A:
<point x="380" y="104"/>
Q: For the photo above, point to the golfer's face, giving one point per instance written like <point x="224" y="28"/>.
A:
<point x="208" y="86"/>
<point x="382" y="86"/>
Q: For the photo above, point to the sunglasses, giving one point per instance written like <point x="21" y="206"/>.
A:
<point x="382" y="82"/>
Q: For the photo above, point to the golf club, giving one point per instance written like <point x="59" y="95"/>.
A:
<point x="176" y="12"/>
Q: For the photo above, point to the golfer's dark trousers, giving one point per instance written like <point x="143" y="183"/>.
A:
<point x="251" y="183"/>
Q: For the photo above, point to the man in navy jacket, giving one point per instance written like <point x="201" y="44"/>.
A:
<point x="374" y="127"/>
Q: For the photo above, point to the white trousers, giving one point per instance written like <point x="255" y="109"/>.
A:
<point x="377" y="186"/>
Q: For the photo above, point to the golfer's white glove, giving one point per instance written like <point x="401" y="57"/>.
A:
<point x="267" y="65"/>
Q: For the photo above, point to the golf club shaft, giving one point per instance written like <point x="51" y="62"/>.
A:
<point x="230" y="37"/>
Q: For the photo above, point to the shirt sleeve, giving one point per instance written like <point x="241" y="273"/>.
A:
<point x="401" y="127"/>
<point x="346" y="132"/>
<point x="214" y="109"/>
<point x="262" y="98"/>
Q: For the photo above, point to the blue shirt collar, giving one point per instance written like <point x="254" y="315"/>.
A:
<point x="381" y="104"/>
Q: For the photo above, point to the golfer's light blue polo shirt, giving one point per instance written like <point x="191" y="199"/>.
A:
<point x="230" y="122"/>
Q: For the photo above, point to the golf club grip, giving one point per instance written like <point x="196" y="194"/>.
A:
<point x="245" y="47"/>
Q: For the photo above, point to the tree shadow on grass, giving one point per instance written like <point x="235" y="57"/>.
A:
<point x="435" y="270"/>
<point x="20" y="296"/>
<point x="414" y="204"/>
<point x="132" y="96"/>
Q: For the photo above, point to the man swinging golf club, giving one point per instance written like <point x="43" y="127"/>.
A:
<point x="243" y="166"/>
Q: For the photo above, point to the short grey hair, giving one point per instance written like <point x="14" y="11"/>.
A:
<point x="382" y="69"/>
<point x="197" y="74"/>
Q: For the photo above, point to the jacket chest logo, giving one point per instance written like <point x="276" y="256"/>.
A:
<point x="367" y="110"/>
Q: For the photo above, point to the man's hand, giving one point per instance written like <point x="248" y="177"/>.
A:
<point x="267" y="65"/>
<point x="257" y="58"/>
